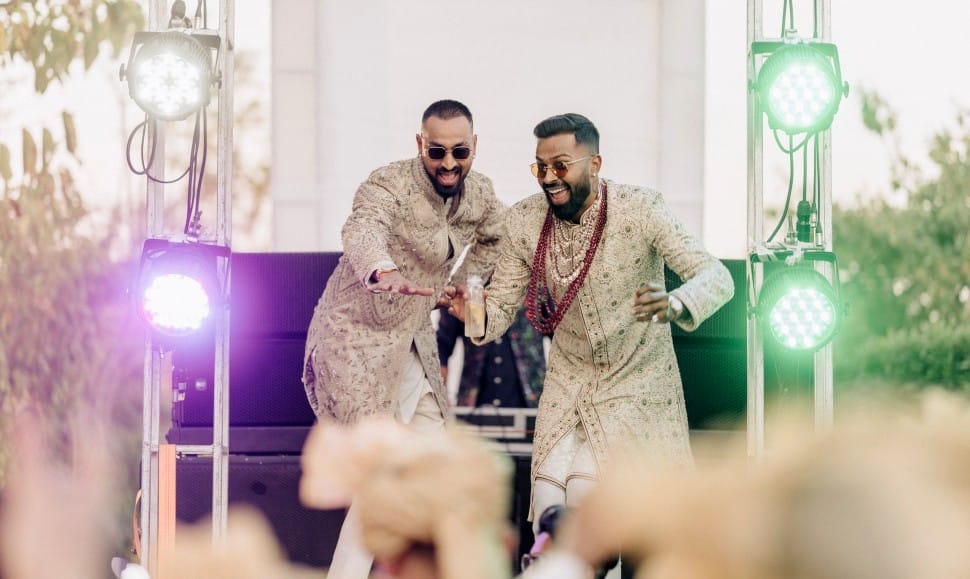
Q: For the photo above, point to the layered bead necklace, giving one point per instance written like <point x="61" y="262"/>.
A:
<point x="562" y="248"/>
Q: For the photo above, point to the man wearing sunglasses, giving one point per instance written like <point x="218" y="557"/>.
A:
<point x="587" y="256"/>
<point x="371" y="347"/>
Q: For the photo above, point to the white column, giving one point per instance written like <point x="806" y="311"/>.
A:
<point x="297" y="205"/>
<point x="681" y="114"/>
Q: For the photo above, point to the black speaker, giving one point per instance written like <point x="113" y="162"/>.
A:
<point x="713" y="359"/>
<point x="271" y="303"/>
<point x="308" y="536"/>
<point x="271" y="485"/>
<point x="272" y="300"/>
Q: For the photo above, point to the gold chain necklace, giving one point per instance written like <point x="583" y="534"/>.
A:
<point x="569" y="245"/>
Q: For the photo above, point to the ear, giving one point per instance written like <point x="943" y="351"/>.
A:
<point x="417" y="137"/>
<point x="474" y="145"/>
<point x="596" y="163"/>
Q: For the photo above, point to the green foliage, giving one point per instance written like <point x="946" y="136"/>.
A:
<point x="51" y="35"/>
<point x="66" y="341"/>
<point x="906" y="268"/>
<point x="939" y="355"/>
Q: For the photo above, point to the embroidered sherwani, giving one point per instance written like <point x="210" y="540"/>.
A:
<point x="359" y="341"/>
<point x="614" y="377"/>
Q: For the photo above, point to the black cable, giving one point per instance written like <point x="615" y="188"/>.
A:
<point x="147" y="133"/>
<point x="791" y="182"/>
<point x="202" y="12"/>
<point x="788" y="9"/>
<point x="197" y="198"/>
<point x="805" y="172"/>
<point x="790" y="148"/>
<point x="193" y="161"/>
<point x="817" y="193"/>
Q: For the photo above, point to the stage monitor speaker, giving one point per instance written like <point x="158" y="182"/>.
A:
<point x="271" y="304"/>
<point x="308" y="536"/>
<point x="271" y="485"/>
<point x="713" y="359"/>
<point x="272" y="301"/>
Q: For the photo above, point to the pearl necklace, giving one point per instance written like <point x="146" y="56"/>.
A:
<point x="568" y="242"/>
<point x="541" y="308"/>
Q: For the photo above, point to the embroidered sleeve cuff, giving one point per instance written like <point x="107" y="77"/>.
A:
<point x="368" y="280"/>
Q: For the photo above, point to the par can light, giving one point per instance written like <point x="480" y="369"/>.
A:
<point x="178" y="292"/>
<point x="170" y="74"/>
<point x="799" y="308"/>
<point x="800" y="87"/>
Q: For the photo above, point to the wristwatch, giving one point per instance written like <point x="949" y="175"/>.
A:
<point x="675" y="308"/>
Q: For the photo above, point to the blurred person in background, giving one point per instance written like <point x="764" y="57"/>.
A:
<point x="506" y="372"/>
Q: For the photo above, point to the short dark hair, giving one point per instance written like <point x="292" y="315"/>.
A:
<point x="447" y="109"/>
<point x="573" y="123"/>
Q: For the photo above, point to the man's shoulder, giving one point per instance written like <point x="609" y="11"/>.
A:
<point x="479" y="182"/>
<point x="535" y="203"/>
<point x="392" y="172"/>
<point x="623" y="193"/>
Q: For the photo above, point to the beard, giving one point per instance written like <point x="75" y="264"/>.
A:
<point x="447" y="191"/>
<point x="578" y="195"/>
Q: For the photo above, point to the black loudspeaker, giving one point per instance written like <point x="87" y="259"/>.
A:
<point x="271" y="485"/>
<point x="713" y="359"/>
<point x="272" y="298"/>
<point x="308" y="536"/>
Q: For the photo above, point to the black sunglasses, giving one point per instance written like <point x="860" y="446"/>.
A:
<point x="438" y="153"/>
<point x="559" y="168"/>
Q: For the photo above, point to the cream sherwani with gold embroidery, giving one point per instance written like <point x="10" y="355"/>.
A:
<point x="613" y="376"/>
<point x="358" y="341"/>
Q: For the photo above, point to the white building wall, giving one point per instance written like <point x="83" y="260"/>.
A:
<point x="352" y="77"/>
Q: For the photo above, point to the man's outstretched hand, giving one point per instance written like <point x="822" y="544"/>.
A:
<point x="393" y="282"/>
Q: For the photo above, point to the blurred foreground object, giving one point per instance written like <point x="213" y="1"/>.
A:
<point x="449" y="493"/>
<point x="883" y="495"/>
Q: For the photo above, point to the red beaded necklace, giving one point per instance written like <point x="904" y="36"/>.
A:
<point x="541" y="308"/>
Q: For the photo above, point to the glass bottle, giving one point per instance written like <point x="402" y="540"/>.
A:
<point x="474" y="307"/>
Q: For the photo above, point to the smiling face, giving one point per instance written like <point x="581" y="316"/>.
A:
<point x="569" y="195"/>
<point x="447" y="174"/>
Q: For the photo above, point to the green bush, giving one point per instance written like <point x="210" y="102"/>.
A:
<point x="905" y="266"/>
<point x="932" y="354"/>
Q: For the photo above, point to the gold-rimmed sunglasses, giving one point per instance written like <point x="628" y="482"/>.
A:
<point x="559" y="168"/>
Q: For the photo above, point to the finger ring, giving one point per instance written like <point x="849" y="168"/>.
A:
<point x="655" y="318"/>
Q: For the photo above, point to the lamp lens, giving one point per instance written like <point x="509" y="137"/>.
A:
<point x="803" y="318"/>
<point x="170" y="85"/>
<point x="800" y="95"/>
<point x="175" y="304"/>
<point x="799" y="89"/>
<point x="170" y="76"/>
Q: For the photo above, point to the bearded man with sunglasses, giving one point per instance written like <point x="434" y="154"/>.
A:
<point x="587" y="256"/>
<point x="371" y="347"/>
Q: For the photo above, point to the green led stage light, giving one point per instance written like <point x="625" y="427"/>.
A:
<point x="799" y="308"/>
<point x="800" y="87"/>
